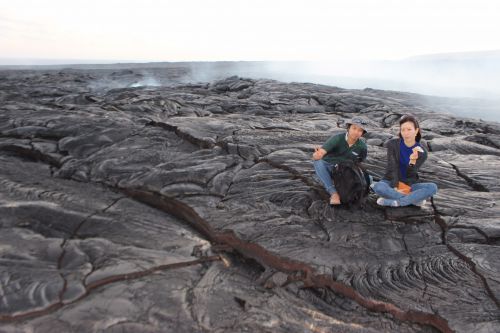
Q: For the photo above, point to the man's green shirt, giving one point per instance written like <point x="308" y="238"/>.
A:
<point x="338" y="150"/>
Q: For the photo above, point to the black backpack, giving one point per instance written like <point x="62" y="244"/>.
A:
<point x="351" y="182"/>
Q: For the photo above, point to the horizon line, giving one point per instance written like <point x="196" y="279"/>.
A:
<point x="21" y="62"/>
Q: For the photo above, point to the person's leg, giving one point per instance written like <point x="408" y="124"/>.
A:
<point x="324" y="173"/>
<point x="383" y="188"/>
<point x="419" y="192"/>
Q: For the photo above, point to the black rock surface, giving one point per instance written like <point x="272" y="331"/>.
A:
<point x="194" y="208"/>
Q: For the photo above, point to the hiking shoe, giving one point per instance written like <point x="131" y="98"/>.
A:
<point x="387" y="202"/>
<point x="420" y="203"/>
<point x="335" y="199"/>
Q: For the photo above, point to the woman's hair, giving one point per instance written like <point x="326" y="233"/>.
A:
<point x="409" y="118"/>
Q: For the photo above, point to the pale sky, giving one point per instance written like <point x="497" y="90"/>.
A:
<point x="214" y="30"/>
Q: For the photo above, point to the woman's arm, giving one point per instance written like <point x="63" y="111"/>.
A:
<point x="415" y="164"/>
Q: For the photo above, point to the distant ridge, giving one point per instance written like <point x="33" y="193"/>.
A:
<point x="475" y="55"/>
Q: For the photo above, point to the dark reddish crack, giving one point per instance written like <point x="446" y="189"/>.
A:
<point x="472" y="265"/>
<point x="140" y="274"/>
<point x="175" y="208"/>
<point x="103" y="282"/>
<point x="298" y="271"/>
<point x="414" y="316"/>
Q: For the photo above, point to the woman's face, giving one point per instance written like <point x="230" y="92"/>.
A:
<point x="408" y="130"/>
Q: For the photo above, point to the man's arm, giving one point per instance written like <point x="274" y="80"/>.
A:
<point x="318" y="153"/>
<point x="329" y="145"/>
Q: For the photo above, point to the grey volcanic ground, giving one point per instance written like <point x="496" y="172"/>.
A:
<point x="193" y="208"/>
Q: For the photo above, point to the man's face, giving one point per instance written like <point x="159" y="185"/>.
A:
<point x="355" y="132"/>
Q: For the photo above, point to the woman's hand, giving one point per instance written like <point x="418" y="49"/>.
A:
<point x="414" y="155"/>
<point x="403" y="188"/>
<point x="318" y="153"/>
<point x="400" y="191"/>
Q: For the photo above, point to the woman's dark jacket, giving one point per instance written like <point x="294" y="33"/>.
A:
<point x="392" y="173"/>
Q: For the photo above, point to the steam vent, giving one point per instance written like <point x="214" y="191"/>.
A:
<point x="182" y="207"/>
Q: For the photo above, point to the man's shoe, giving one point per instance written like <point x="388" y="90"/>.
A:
<point x="420" y="203"/>
<point x="387" y="202"/>
<point x="335" y="199"/>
